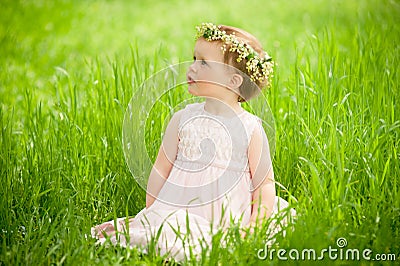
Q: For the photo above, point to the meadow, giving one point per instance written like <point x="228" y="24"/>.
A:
<point x="68" y="70"/>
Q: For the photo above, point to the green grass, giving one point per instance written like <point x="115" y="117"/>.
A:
<point x="68" y="70"/>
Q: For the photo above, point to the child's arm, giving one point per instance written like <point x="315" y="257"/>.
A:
<point x="262" y="177"/>
<point x="164" y="161"/>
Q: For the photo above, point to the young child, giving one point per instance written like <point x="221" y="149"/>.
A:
<point x="213" y="167"/>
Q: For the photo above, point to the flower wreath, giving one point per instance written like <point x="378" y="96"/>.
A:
<point x="260" y="68"/>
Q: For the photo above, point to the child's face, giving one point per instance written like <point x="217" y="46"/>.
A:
<point x="208" y="75"/>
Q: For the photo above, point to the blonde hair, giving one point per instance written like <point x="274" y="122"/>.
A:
<point x="247" y="90"/>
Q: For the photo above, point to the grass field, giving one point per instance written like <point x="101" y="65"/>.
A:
<point x="68" y="70"/>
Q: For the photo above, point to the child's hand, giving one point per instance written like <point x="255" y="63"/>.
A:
<point x="104" y="230"/>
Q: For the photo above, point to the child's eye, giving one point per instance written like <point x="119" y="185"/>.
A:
<point x="203" y="62"/>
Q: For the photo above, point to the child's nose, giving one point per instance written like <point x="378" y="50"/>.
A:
<point x="193" y="67"/>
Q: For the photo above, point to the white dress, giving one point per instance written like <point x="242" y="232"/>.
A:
<point x="208" y="187"/>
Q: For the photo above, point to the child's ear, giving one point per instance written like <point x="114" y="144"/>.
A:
<point x="235" y="81"/>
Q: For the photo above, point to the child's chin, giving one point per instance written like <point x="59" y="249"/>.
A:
<point x="191" y="90"/>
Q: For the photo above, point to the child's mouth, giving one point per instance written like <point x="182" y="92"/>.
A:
<point x="190" y="80"/>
